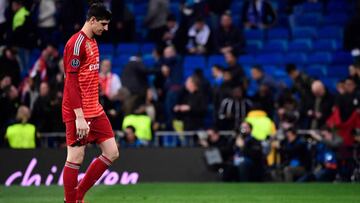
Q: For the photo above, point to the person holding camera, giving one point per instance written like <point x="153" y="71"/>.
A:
<point x="326" y="147"/>
<point x="248" y="156"/>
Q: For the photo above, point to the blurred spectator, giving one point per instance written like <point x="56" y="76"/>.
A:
<point x="302" y="86"/>
<point x="217" y="74"/>
<point x="237" y="72"/>
<point x="219" y="7"/>
<point x="42" y="111"/>
<point x="205" y="86"/>
<point x="174" y="35"/>
<point x="172" y="72"/>
<point x="345" y="116"/>
<point x="23" y="33"/>
<point x="263" y="126"/>
<point x="224" y="90"/>
<point x="72" y="15"/>
<point x="248" y="156"/>
<point x="258" y="14"/>
<point x="214" y="140"/>
<point x="46" y="21"/>
<point x="191" y="10"/>
<point x="191" y="107"/>
<point x="352" y="31"/>
<point x="29" y="93"/>
<point x="135" y="79"/>
<point x="354" y="72"/>
<point x="22" y="135"/>
<point x="326" y="149"/>
<point x="122" y="24"/>
<point x="199" y="37"/>
<point x="155" y="19"/>
<point x="9" y="102"/>
<point x="233" y="110"/>
<point x="142" y="125"/>
<point x="46" y="66"/>
<point x="109" y="82"/>
<point x="9" y="66"/>
<point x="356" y="155"/>
<point x="264" y="98"/>
<point x="295" y="157"/>
<point x="3" y="20"/>
<point x="130" y="139"/>
<point x="262" y="78"/>
<point x="228" y="37"/>
<point x="319" y="107"/>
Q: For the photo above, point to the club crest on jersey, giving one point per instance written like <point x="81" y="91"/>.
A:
<point x="75" y="63"/>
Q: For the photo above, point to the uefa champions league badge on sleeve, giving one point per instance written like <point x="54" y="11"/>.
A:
<point x="75" y="63"/>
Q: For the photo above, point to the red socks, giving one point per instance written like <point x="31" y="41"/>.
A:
<point x="93" y="173"/>
<point x="70" y="176"/>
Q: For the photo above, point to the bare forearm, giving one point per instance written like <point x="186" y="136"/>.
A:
<point x="79" y="113"/>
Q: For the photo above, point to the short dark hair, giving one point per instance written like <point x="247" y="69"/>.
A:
<point x="290" y="67"/>
<point x="132" y="128"/>
<point x="99" y="11"/>
<point x="199" y="19"/>
<point x="171" y="17"/>
<point x="258" y="67"/>
<point x="292" y="130"/>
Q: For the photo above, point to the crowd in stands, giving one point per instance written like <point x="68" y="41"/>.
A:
<point x="300" y="129"/>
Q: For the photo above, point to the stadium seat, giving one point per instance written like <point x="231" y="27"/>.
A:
<point x="311" y="7"/>
<point x="298" y="58"/>
<point x="247" y="60"/>
<point x="342" y="57"/>
<point x="254" y="35"/>
<point x="121" y="60"/>
<point x="106" y="49"/>
<point x="311" y="19"/>
<point x="303" y="33"/>
<point x="338" y="71"/>
<point x="336" y="19"/>
<point x="193" y="62"/>
<point x="275" y="46"/>
<point x="319" y="58"/>
<point x="270" y="59"/>
<point x="278" y="33"/>
<point x="331" y="32"/>
<point x="128" y="48"/>
<point x="140" y="9"/>
<point x="300" y="45"/>
<point x="325" y="45"/>
<point x="317" y="71"/>
<point x="147" y="48"/>
<point x="253" y="46"/>
<point x="216" y="59"/>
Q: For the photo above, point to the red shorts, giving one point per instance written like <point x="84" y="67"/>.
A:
<point x="100" y="130"/>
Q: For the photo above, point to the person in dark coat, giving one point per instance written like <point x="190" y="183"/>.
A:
<point x="319" y="107"/>
<point x="9" y="66"/>
<point x="248" y="156"/>
<point x="192" y="106"/>
<point x="258" y="14"/>
<point x="228" y="37"/>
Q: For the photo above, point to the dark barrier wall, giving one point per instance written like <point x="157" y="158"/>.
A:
<point x="44" y="166"/>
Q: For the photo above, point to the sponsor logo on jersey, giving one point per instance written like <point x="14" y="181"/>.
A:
<point x="94" y="67"/>
<point x="75" y="63"/>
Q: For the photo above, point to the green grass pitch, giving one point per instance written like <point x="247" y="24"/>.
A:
<point x="194" y="192"/>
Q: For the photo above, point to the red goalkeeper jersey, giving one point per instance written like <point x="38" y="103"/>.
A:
<point x="81" y="90"/>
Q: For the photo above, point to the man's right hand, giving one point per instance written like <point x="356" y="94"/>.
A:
<point x="82" y="128"/>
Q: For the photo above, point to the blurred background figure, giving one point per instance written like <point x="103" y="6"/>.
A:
<point x="22" y="135"/>
<point x="258" y="14"/>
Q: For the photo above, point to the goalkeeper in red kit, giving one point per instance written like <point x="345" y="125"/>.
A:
<point x="83" y="115"/>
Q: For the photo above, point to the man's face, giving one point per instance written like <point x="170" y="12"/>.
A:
<point x="226" y="21"/>
<point x="105" y="66"/>
<point x="199" y="25"/>
<point x="350" y="86"/>
<point x="99" y="26"/>
<point x="256" y="74"/>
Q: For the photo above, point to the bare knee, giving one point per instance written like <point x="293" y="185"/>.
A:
<point x="75" y="155"/>
<point x="112" y="155"/>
